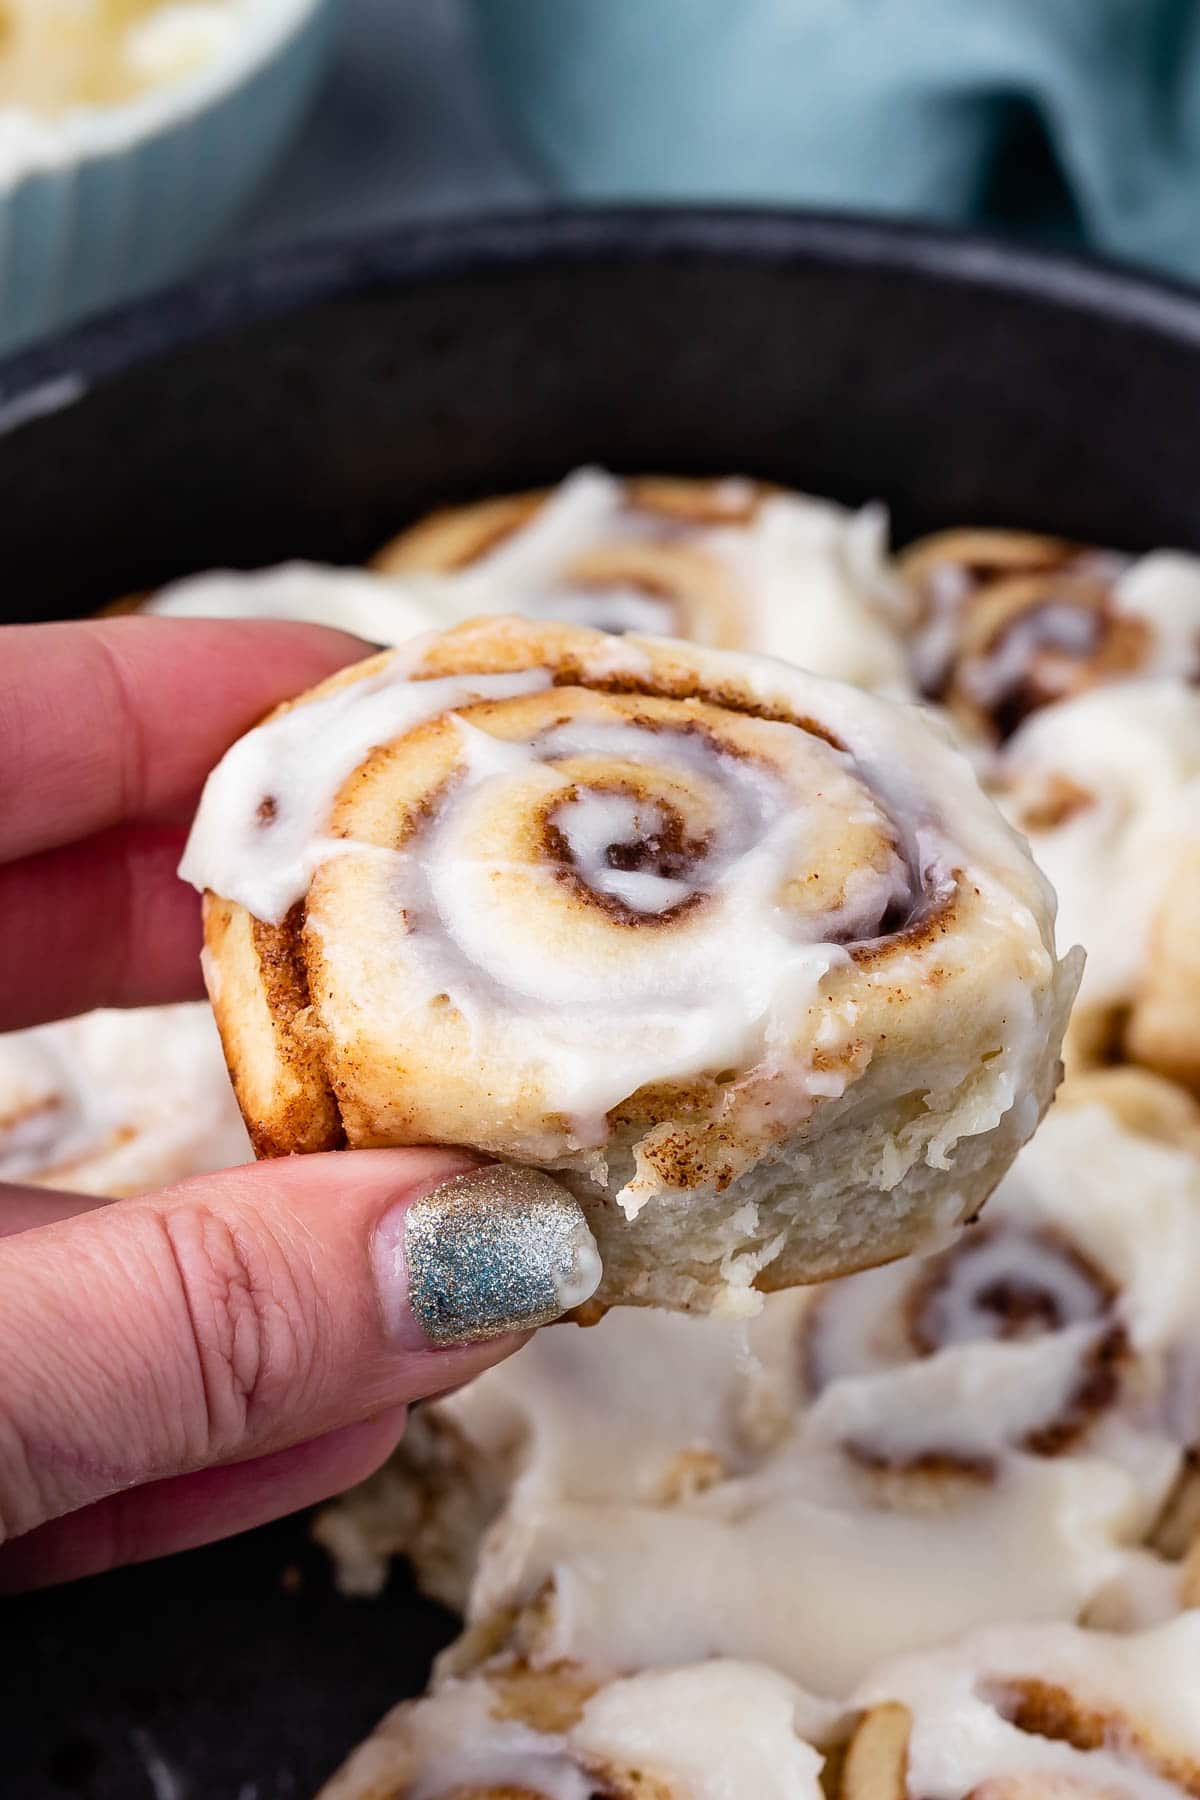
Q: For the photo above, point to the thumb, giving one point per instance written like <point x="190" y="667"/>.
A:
<point x="241" y="1313"/>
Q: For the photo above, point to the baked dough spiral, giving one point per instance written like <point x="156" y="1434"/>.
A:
<point x="734" y="563"/>
<point x="746" y="955"/>
<point x="117" y="1103"/>
<point x="1027" y="1714"/>
<point x="1107" y="789"/>
<point x="874" y="1466"/>
<point x="716" y="1731"/>
<point x="1064" y="1325"/>
<point x="1010" y="622"/>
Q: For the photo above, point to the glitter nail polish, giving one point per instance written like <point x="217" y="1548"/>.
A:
<point x="493" y="1251"/>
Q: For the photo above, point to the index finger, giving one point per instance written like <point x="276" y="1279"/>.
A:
<point x="113" y="721"/>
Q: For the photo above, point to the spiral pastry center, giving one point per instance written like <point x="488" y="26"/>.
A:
<point x="630" y="854"/>
<point x="627" y="858"/>
<point x="1010" y="1340"/>
<point x="1004" y="1286"/>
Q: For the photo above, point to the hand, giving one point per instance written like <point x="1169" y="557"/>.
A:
<point x="191" y="1363"/>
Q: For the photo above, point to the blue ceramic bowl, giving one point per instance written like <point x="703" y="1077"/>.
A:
<point x="106" y="203"/>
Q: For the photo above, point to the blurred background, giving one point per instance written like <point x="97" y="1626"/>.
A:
<point x="1074" y="123"/>
<point x="1070" y="121"/>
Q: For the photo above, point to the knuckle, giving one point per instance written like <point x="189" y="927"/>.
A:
<point x="249" y="1323"/>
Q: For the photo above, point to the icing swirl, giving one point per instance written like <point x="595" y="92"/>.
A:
<point x="1011" y="623"/>
<point x="1034" y="1711"/>
<point x="503" y="848"/>
<point x="730" y="563"/>
<point x="96" y="1104"/>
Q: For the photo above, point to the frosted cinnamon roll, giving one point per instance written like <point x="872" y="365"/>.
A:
<point x="116" y="1103"/>
<point x="1010" y="622"/>
<point x="746" y="956"/>
<point x="1107" y="789"/>
<point x="652" y="1408"/>
<point x="802" y="1564"/>
<point x="1067" y="1324"/>
<point x="896" y="1459"/>
<point x="733" y="563"/>
<point x="379" y="612"/>
<point x="1023" y="1715"/>
<point x="718" y="1731"/>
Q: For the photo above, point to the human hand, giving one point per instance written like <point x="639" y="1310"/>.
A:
<point x="187" y="1364"/>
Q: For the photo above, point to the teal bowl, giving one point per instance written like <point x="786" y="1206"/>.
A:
<point x="107" y="203"/>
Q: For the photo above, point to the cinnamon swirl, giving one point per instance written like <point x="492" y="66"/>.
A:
<point x="1107" y="789"/>
<point x="733" y="563"/>
<point x="1067" y="1324"/>
<point x="889" y="1461"/>
<point x="1011" y="622"/>
<point x="1028" y="1714"/>
<point x="745" y="955"/>
<point x="718" y="1731"/>
<point x="116" y="1103"/>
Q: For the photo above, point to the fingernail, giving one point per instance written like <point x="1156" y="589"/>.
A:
<point x="492" y="1251"/>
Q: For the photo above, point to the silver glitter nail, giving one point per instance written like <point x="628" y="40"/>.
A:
<point x="496" y="1250"/>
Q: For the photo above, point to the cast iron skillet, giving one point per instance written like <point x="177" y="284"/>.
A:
<point x="309" y="403"/>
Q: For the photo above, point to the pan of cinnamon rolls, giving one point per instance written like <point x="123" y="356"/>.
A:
<point x="814" y="889"/>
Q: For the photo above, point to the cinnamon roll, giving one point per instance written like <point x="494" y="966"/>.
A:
<point x="719" y="1731"/>
<point x="652" y="1408"/>
<point x="801" y="1566"/>
<point x="1010" y="622"/>
<point x="746" y="956"/>
<point x="1067" y="1324"/>
<point x="116" y="1103"/>
<point x="890" y="1460"/>
<point x="735" y="564"/>
<point x="379" y="612"/>
<point x="1107" y="789"/>
<point x="1027" y="1714"/>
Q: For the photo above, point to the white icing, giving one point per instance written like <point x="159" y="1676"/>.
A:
<point x="673" y="1481"/>
<point x="960" y="1700"/>
<point x="454" y="1742"/>
<point x="1133" y="749"/>
<point x="706" y="1001"/>
<point x="1070" y="629"/>
<point x="819" y="592"/>
<point x="593" y="823"/>
<point x="973" y="1404"/>
<point x="300" y="761"/>
<point x="789" y="1567"/>
<point x="977" y="1398"/>
<point x="378" y="611"/>
<point x="812" y="578"/>
<point x="723" y="1731"/>
<point x="117" y="1102"/>
<point x="720" y="1731"/>
<point x="735" y="975"/>
<point x="1164" y="590"/>
<point x="1161" y="590"/>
